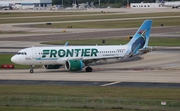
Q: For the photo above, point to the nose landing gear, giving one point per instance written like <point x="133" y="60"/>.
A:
<point x="32" y="69"/>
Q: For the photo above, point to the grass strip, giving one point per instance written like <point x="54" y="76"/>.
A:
<point x="25" y="108"/>
<point x="90" y="17"/>
<point x="112" y="24"/>
<point x="30" y="14"/>
<point x="90" y="91"/>
<point x="77" y="97"/>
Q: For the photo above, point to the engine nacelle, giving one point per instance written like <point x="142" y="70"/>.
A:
<point x="74" y="65"/>
<point x="52" y="66"/>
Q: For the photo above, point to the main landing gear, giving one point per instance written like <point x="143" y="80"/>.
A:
<point x="32" y="69"/>
<point x="88" y="69"/>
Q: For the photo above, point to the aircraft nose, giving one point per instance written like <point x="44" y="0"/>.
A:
<point x="14" y="59"/>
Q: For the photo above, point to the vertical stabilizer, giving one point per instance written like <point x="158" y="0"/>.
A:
<point x="162" y="2"/>
<point x="141" y="38"/>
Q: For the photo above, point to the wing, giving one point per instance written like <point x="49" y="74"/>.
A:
<point x="91" y="60"/>
<point x="86" y="61"/>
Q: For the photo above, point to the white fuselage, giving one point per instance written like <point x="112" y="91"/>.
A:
<point x="172" y="4"/>
<point x="58" y="55"/>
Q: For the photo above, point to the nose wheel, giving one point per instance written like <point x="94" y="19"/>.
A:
<point x="32" y="69"/>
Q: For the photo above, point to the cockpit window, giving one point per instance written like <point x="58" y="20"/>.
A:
<point x="21" y="53"/>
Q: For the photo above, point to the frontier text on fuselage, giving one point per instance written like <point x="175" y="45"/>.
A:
<point x="70" y="52"/>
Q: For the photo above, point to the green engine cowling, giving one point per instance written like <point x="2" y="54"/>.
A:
<point x="52" y="66"/>
<point x="74" y="65"/>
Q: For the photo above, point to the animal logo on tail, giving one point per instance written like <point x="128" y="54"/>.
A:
<point x="140" y="42"/>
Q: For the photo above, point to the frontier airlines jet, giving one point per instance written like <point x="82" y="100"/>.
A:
<point x="74" y="58"/>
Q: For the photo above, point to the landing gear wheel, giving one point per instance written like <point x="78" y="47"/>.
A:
<point x="89" y="69"/>
<point x="32" y="69"/>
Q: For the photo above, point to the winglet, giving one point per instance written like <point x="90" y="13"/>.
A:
<point x="66" y="44"/>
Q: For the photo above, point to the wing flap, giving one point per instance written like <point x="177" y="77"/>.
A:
<point x="91" y="60"/>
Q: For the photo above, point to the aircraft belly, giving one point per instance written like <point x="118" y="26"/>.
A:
<point x="45" y="62"/>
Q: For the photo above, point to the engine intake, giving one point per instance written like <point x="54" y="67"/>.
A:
<point x="74" y="65"/>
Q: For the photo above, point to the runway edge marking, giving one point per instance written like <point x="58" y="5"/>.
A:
<point x="111" y="83"/>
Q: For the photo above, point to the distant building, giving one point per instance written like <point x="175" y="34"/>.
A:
<point x="28" y="4"/>
<point x="145" y="5"/>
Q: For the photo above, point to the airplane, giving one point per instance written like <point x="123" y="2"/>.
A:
<point x="74" y="58"/>
<point x="6" y="6"/>
<point x="2" y="6"/>
<point x="174" y="4"/>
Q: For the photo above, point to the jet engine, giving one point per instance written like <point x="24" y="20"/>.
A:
<point x="52" y="66"/>
<point x="74" y="65"/>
